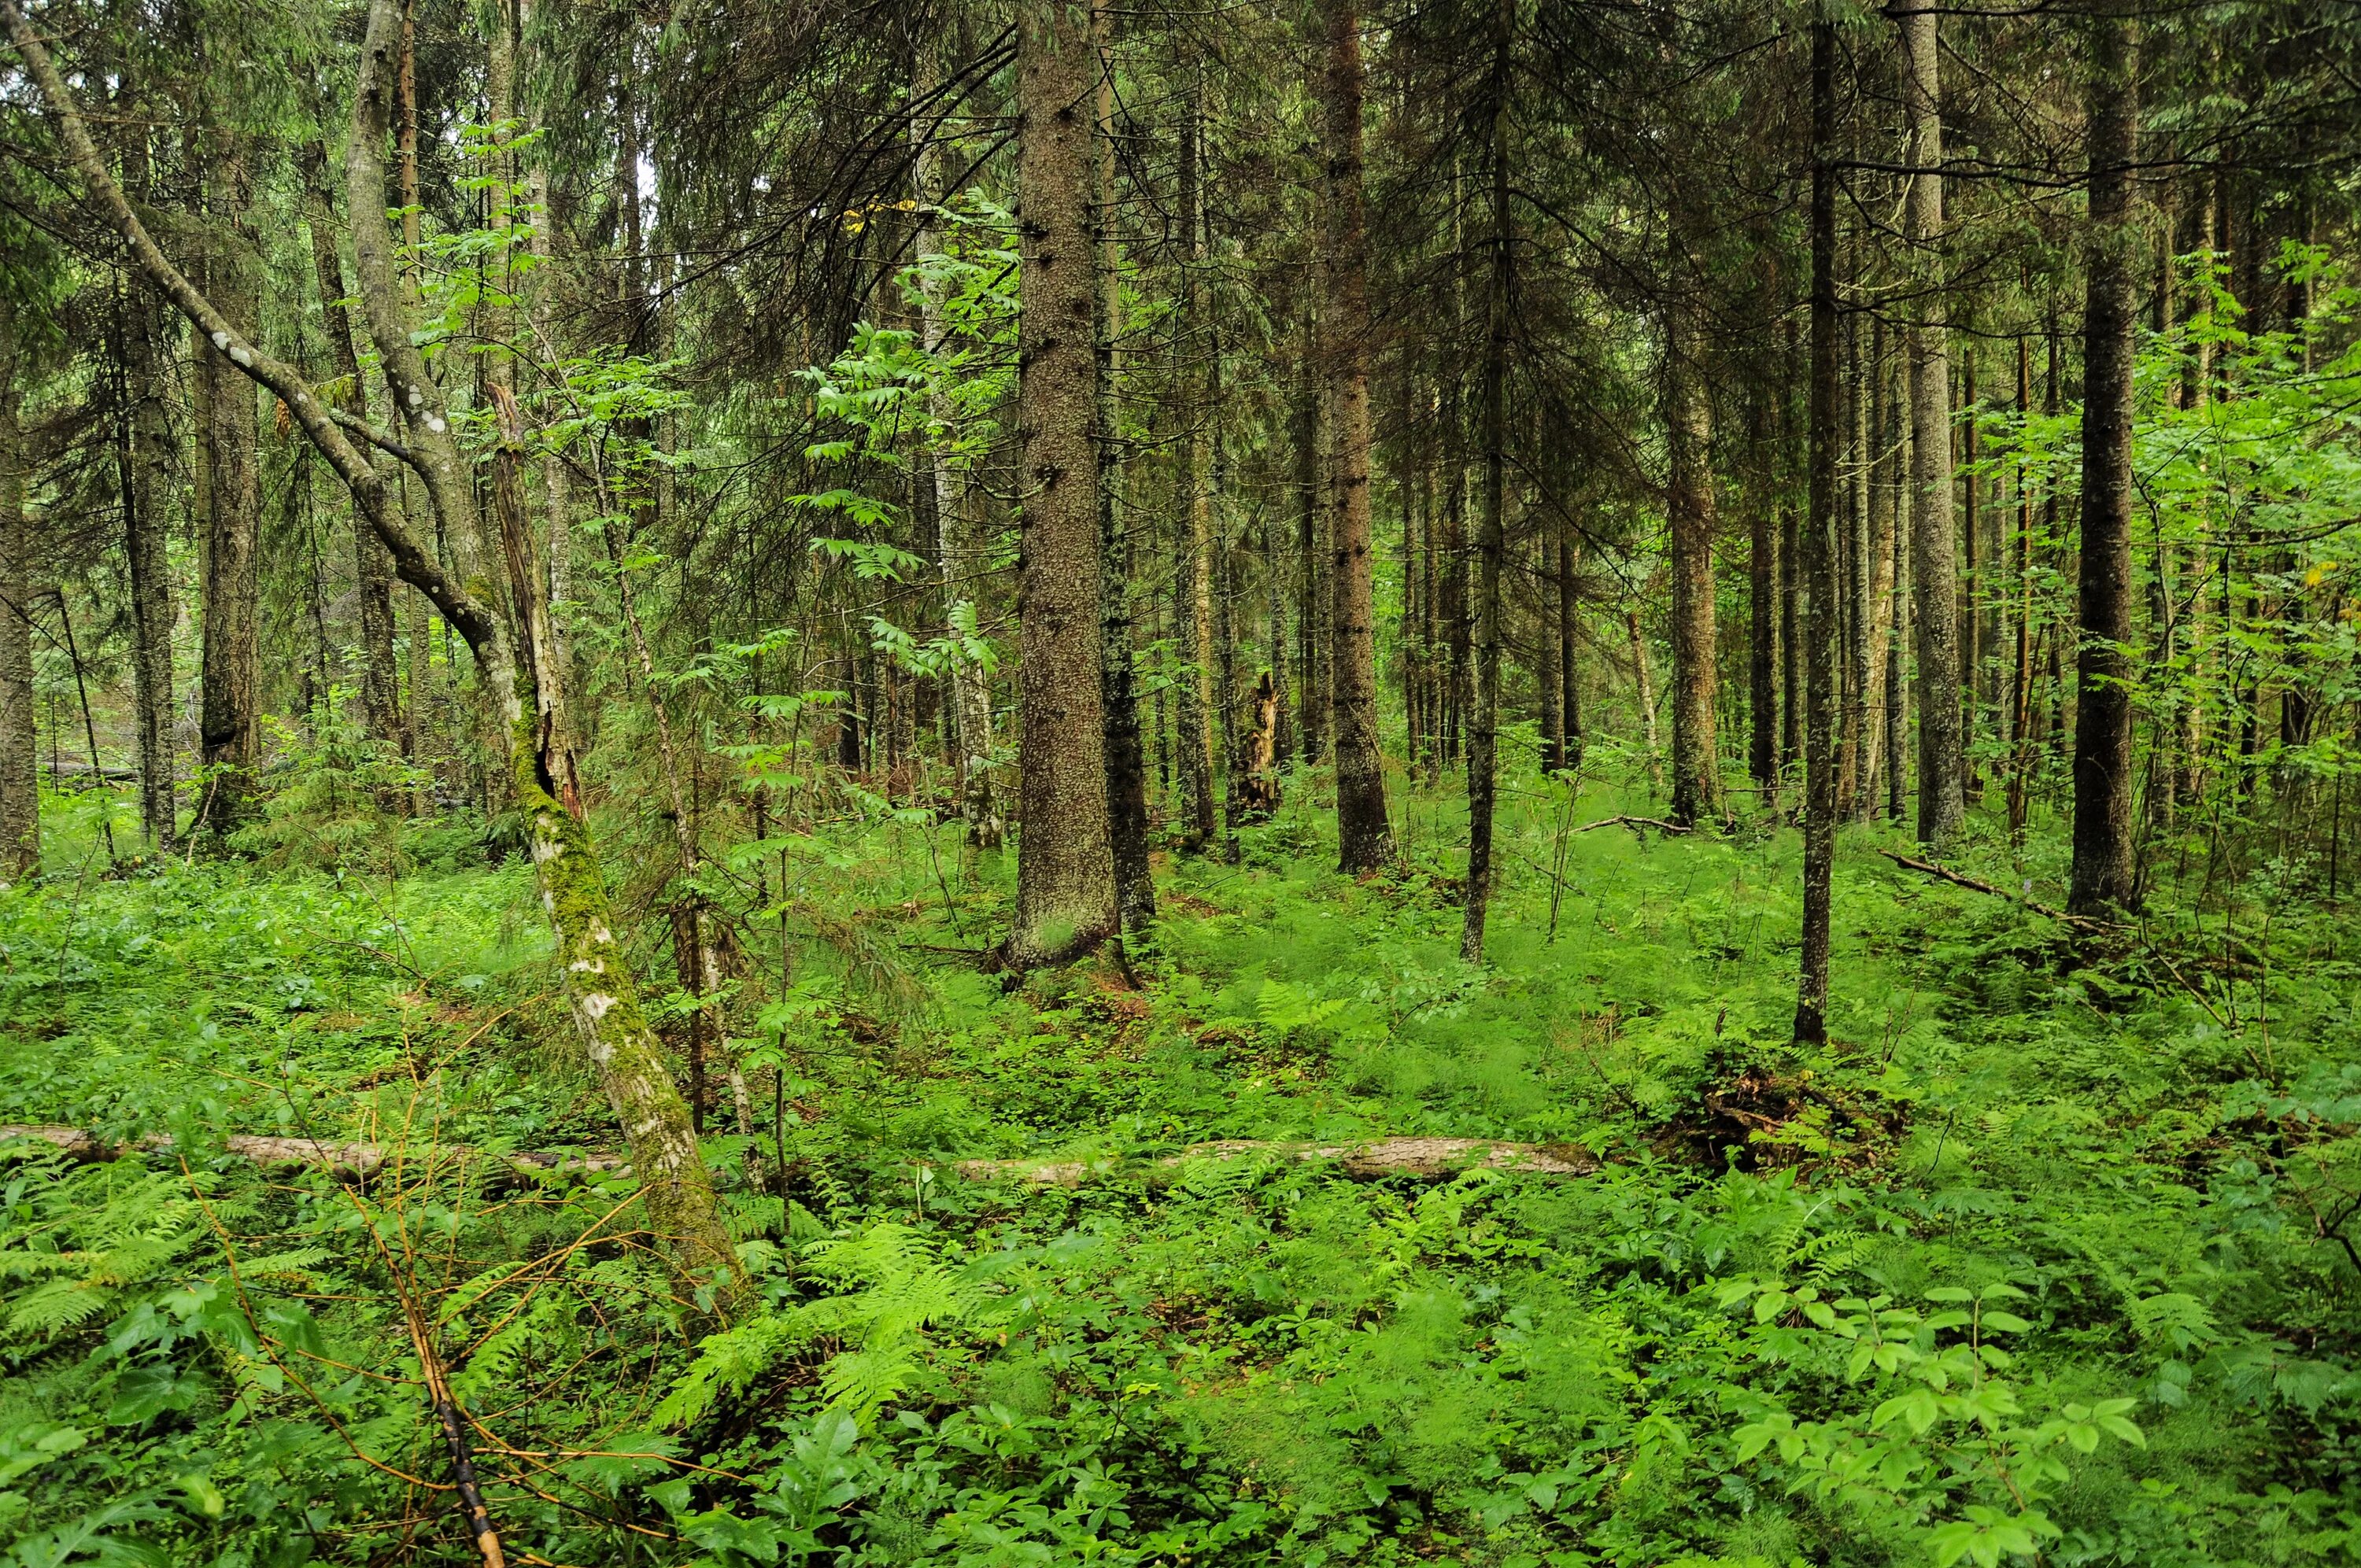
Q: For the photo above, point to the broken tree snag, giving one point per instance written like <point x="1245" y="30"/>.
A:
<point x="1940" y="873"/>
<point x="1430" y="1158"/>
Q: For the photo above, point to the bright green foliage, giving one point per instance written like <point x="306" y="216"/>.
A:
<point x="2026" y="1267"/>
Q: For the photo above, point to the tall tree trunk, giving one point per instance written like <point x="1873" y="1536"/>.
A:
<point x="1934" y="570"/>
<point x="1855" y="763"/>
<point x="229" y="449"/>
<point x="1365" y="841"/>
<point x="1483" y="728"/>
<point x="1688" y="497"/>
<point x="380" y="680"/>
<point x="147" y="354"/>
<point x="1193" y="587"/>
<point x="2020" y="717"/>
<point x="1549" y="679"/>
<point x="1311" y="705"/>
<point x="20" y="790"/>
<point x="1763" y="623"/>
<point x="1065" y="868"/>
<point x="1126" y="764"/>
<point x="2102" y="727"/>
<point x="1819" y="555"/>
<point x="1569" y="625"/>
<point x="1791" y="569"/>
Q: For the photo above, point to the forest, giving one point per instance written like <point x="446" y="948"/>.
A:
<point x="1546" y="784"/>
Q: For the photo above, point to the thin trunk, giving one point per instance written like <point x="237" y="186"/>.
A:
<point x="1192" y="573"/>
<point x="1569" y="623"/>
<point x="380" y="680"/>
<point x="1364" y="840"/>
<point x="228" y="447"/>
<point x="147" y="549"/>
<point x="2020" y="716"/>
<point x="1820" y="775"/>
<point x="20" y="790"/>
<point x="1761" y="624"/>
<point x="1942" y="754"/>
<point x="2102" y="871"/>
<point x="1311" y="709"/>
<point x="1065" y="868"/>
<point x="1483" y="725"/>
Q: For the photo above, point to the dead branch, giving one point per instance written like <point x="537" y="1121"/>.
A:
<point x="1941" y="874"/>
<point x="1636" y="824"/>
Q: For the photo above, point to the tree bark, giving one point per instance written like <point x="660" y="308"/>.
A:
<point x="381" y="679"/>
<point x="1569" y="626"/>
<point x="227" y="448"/>
<point x="1065" y="869"/>
<point x="1934" y="570"/>
<point x="1482" y="727"/>
<point x="2103" y="873"/>
<point x="1688" y="496"/>
<point x="1820" y="556"/>
<point x="20" y="790"/>
<point x="1763" y="622"/>
<point x="1192" y="573"/>
<point x="148" y="484"/>
<point x="1364" y="840"/>
<point x="1135" y="882"/>
<point x="1310" y="653"/>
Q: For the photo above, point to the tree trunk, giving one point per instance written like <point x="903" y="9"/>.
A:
<point x="1688" y="496"/>
<point x="1192" y="573"/>
<point x="1365" y="841"/>
<point x="1482" y="727"/>
<point x="1569" y="625"/>
<point x="1854" y="762"/>
<point x="380" y="680"/>
<point x="1820" y="556"/>
<point x="1127" y="766"/>
<point x="227" y="446"/>
<point x="1762" y="624"/>
<point x="1942" y="757"/>
<point x="1311" y="705"/>
<point x="20" y="790"/>
<point x="1065" y="869"/>
<point x="2103" y="725"/>
<point x="147" y="355"/>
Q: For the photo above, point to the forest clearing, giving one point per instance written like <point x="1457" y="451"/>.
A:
<point x="1517" y="783"/>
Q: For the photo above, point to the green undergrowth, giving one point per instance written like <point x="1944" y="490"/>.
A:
<point x="2045" y="1257"/>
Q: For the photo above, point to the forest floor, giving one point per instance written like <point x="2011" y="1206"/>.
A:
<point x="2047" y="1251"/>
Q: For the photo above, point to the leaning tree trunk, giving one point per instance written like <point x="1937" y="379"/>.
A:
<point x="1820" y="555"/>
<point x="2102" y="727"/>
<point x="1482" y="727"/>
<point x="227" y="445"/>
<point x="1365" y="841"/>
<point x="20" y="791"/>
<point x="1933" y="547"/>
<point x="1065" y="870"/>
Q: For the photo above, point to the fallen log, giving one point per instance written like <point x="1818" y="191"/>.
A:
<point x="1944" y="873"/>
<point x="348" y="1161"/>
<point x="1376" y="1158"/>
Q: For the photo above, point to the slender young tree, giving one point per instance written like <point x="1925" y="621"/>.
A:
<point x="1934" y="544"/>
<point x="20" y="790"/>
<point x="1365" y="841"/>
<point x="1688" y="500"/>
<point x="1820" y="552"/>
<point x="1484" y="713"/>
<point x="1065" y="868"/>
<point x="2103" y="873"/>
